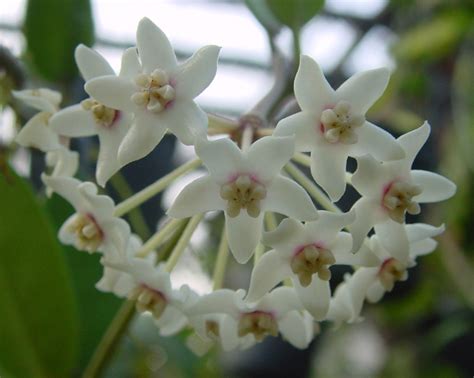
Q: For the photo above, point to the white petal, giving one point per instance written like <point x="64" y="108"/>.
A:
<point x="142" y="137"/>
<point x="341" y="249"/>
<point x="130" y="66"/>
<point x="422" y="247"/>
<point x="392" y="236"/>
<point x="66" y="187"/>
<point x="288" y="233"/>
<point x="365" y="210"/>
<point x="287" y="197"/>
<point x="413" y="141"/>
<point x="280" y="302"/>
<point x="195" y="75"/>
<point x="304" y="126"/>
<point x="221" y="301"/>
<point x="434" y="187"/>
<point x="186" y="120"/>
<point x="292" y="327"/>
<point x="328" y="168"/>
<point x="243" y="234"/>
<point x="221" y="157"/>
<point x="370" y="177"/>
<point x="229" y="335"/>
<point x="112" y="91"/>
<point x="91" y="64"/>
<point x="42" y="99"/>
<point x="38" y="134"/>
<point x="358" y="285"/>
<point x="327" y="227"/>
<point x="420" y="231"/>
<point x="268" y="155"/>
<point x="199" y="196"/>
<point x="376" y="141"/>
<point x="73" y="121"/>
<point x="269" y="271"/>
<point x="171" y="321"/>
<point x="101" y="206"/>
<point x="363" y="89"/>
<point x="315" y="297"/>
<point x="154" y="48"/>
<point x="312" y="91"/>
<point x="375" y="292"/>
<point x="64" y="235"/>
<point x="64" y="163"/>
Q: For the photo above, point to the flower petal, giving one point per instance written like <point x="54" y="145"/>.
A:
<point x="303" y="126"/>
<point x="328" y="225"/>
<point x="370" y="177"/>
<point x="221" y="157"/>
<point x="312" y="91"/>
<point x="393" y="237"/>
<point x="142" y="137"/>
<point x="375" y="292"/>
<point x="199" y="196"/>
<point x="422" y="247"/>
<point x="38" y="134"/>
<point x="267" y="273"/>
<point x="292" y="327"/>
<point x="365" y="210"/>
<point x="42" y="99"/>
<point x="243" y="234"/>
<point x="288" y="233"/>
<point x="73" y="121"/>
<point x="195" y="75"/>
<point x="154" y="48"/>
<point x="130" y="66"/>
<point x="287" y="197"/>
<point x="421" y="231"/>
<point x="280" y="302"/>
<point x="434" y="187"/>
<point x="363" y="89"/>
<point x="341" y="249"/>
<point x="222" y="301"/>
<point x="66" y="187"/>
<point x="268" y="155"/>
<point x="171" y="321"/>
<point x="315" y="297"/>
<point x="91" y="64"/>
<point x="413" y="141"/>
<point x="112" y="91"/>
<point x="328" y="168"/>
<point x="376" y="141"/>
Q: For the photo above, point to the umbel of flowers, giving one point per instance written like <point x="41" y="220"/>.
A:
<point x="250" y="177"/>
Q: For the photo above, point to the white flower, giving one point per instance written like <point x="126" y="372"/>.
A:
<point x="90" y="117"/>
<point x="304" y="253"/>
<point x="277" y="312"/>
<point x="37" y="132"/>
<point x="244" y="184"/>
<point x="389" y="189"/>
<point x="93" y="227"/>
<point x="64" y="163"/>
<point x="332" y="124"/>
<point x="161" y="95"/>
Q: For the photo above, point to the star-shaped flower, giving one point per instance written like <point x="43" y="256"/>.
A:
<point x="304" y="253"/>
<point x="279" y="311"/>
<point x="160" y="95"/>
<point x="63" y="162"/>
<point x="332" y="124"/>
<point x="244" y="184"/>
<point x="390" y="189"/>
<point x="93" y="227"/>
<point x="90" y="117"/>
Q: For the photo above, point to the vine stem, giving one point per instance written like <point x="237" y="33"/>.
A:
<point x="247" y="136"/>
<point x="153" y="189"/>
<point x="183" y="242"/>
<point x="221" y="262"/>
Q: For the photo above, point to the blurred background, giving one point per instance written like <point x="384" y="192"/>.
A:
<point x="52" y="318"/>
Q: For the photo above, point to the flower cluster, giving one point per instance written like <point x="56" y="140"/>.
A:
<point x="250" y="178"/>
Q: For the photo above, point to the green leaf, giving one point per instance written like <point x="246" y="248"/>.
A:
<point x="264" y="15"/>
<point x="53" y="29"/>
<point x="38" y="318"/>
<point x="295" y="13"/>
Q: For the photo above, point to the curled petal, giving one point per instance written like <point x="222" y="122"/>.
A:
<point x="421" y="231"/>
<point x="434" y="187"/>
<point x="365" y="210"/>
<point x="413" y="141"/>
<point x="221" y="301"/>
<point x="42" y="99"/>
<point x="38" y="134"/>
<point x="90" y="63"/>
<point x="66" y="187"/>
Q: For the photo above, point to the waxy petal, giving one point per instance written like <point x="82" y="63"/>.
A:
<point x="243" y="234"/>
<point x="376" y="141"/>
<point x="267" y="273"/>
<point x="287" y="197"/>
<point x="365" y="210"/>
<point x="199" y="196"/>
<point x="73" y="121"/>
<point x="392" y="236"/>
<point x="413" y="141"/>
<point x="363" y="89"/>
<point x="38" y="134"/>
<point x="328" y="168"/>
<point x="434" y="187"/>
<point x="130" y="66"/>
<point x="112" y="91"/>
<point x="288" y="233"/>
<point x="315" y="297"/>
<point x="222" y="301"/>
<point x="293" y="328"/>
<point x="326" y="228"/>
<point x="268" y="155"/>
<point x="420" y="231"/>
<point x="312" y="91"/>
<point x="195" y="75"/>
<point x="370" y="177"/>
<point x="303" y="126"/>
<point x="66" y="187"/>
<point x="90" y="63"/>
<point x="280" y="302"/>
<point x="42" y="99"/>
<point x="154" y="48"/>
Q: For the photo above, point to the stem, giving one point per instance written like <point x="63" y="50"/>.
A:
<point x="311" y="188"/>
<point x="159" y="237"/>
<point x="247" y="136"/>
<point x="270" y="221"/>
<point x="183" y="242"/>
<point x="302" y="159"/>
<point x="258" y="253"/>
<point x="221" y="123"/>
<point x="153" y="189"/>
<point x="221" y="261"/>
<point x="110" y="340"/>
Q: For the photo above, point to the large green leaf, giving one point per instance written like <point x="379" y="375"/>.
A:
<point x="38" y="314"/>
<point x="53" y="29"/>
<point x="295" y="13"/>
